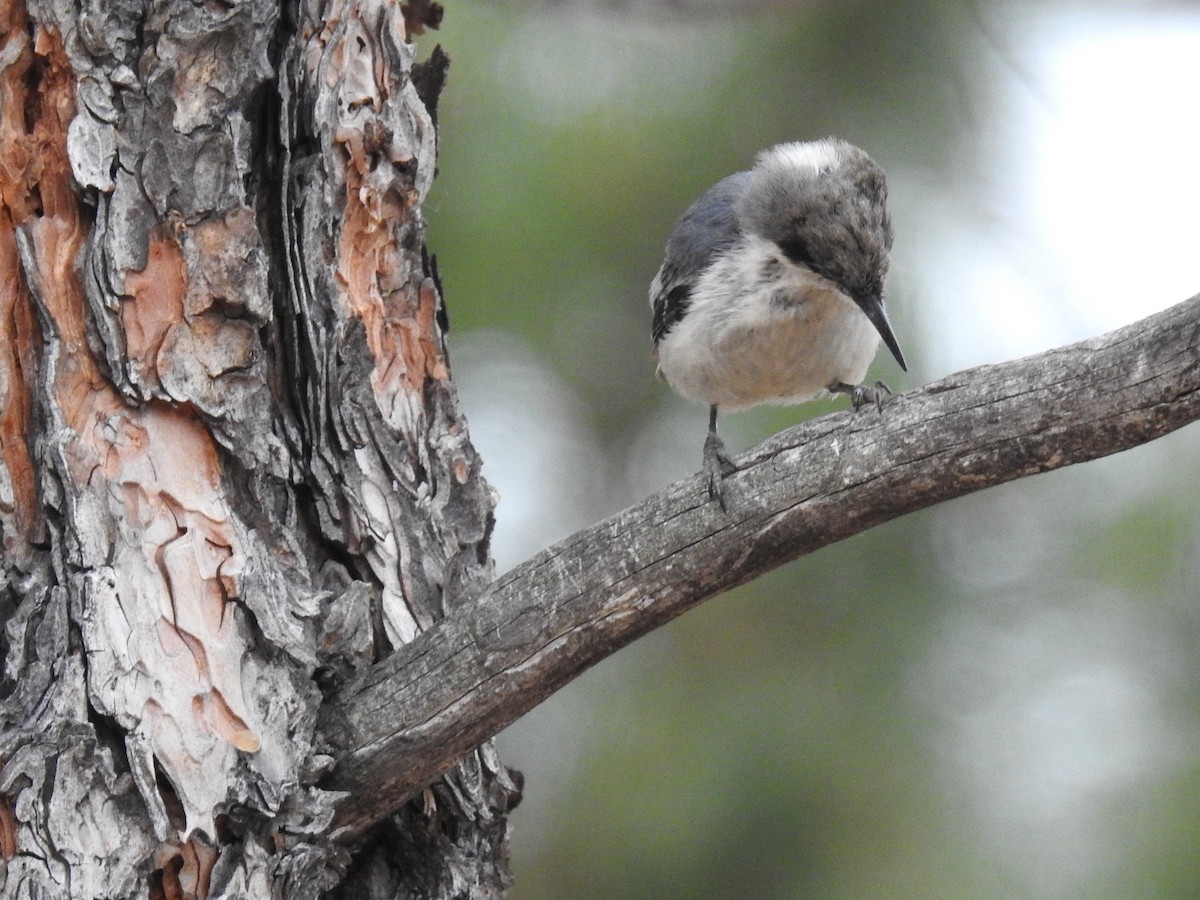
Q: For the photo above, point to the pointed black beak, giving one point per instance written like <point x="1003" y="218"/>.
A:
<point x="873" y="307"/>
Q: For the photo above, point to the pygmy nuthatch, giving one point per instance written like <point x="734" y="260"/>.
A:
<point x="772" y="287"/>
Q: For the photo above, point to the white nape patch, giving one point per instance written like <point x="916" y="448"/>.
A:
<point x="759" y="329"/>
<point x="812" y="155"/>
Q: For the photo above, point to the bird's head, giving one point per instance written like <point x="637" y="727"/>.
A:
<point x="824" y="204"/>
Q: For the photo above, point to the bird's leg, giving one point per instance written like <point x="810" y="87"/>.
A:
<point x="717" y="464"/>
<point x="862" y="393"/>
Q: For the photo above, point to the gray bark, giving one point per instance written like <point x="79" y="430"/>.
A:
<point x="541" y="624"/>
<point x="233" y="472"/>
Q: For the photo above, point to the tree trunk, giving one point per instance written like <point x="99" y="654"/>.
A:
<point x="232" y="469"/>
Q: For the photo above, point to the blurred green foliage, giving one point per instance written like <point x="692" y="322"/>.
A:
<point x="993" y="698"/>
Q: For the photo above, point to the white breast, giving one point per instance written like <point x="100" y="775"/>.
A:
<point x="762" y="330"/>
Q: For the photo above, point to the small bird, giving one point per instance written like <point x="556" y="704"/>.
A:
<point x="772" y="287"/>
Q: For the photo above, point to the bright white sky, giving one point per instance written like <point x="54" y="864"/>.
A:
<point x="1093" y="222"/>
<point x="1117" y="184"/>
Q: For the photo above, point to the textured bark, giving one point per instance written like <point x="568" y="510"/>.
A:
<point x="541" y="624"/>
<point x="232" y="471"/>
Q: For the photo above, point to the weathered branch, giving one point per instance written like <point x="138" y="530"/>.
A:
<point x="537" y="627"/>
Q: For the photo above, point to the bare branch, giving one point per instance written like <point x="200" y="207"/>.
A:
<point x="546" y="621"/>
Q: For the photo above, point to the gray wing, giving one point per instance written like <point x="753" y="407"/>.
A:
<point x="707" y="227"/>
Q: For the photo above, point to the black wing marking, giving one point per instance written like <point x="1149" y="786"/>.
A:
<point x="669" y="309"/>
<point x="707" y="227"/>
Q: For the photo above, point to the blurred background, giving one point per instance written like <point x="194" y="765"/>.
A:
<point x="998" y="697"/>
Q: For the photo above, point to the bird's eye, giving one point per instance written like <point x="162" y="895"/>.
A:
<point x="796" y="250"/>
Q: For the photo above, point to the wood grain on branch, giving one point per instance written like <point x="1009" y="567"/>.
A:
<point x="537" y="627"/>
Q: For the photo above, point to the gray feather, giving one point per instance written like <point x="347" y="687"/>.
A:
<point x="834" y="221"/>
<point x="709" y="226"/>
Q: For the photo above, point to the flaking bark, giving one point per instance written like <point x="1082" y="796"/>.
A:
<point x="233" y="471"/>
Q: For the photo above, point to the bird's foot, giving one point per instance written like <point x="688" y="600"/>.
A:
<point x="861" y="394"/>
<point x="717" y="467"/>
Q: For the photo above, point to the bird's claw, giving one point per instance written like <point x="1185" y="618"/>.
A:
<point x="861" y="394"/>
<point x="717" y="467"/>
